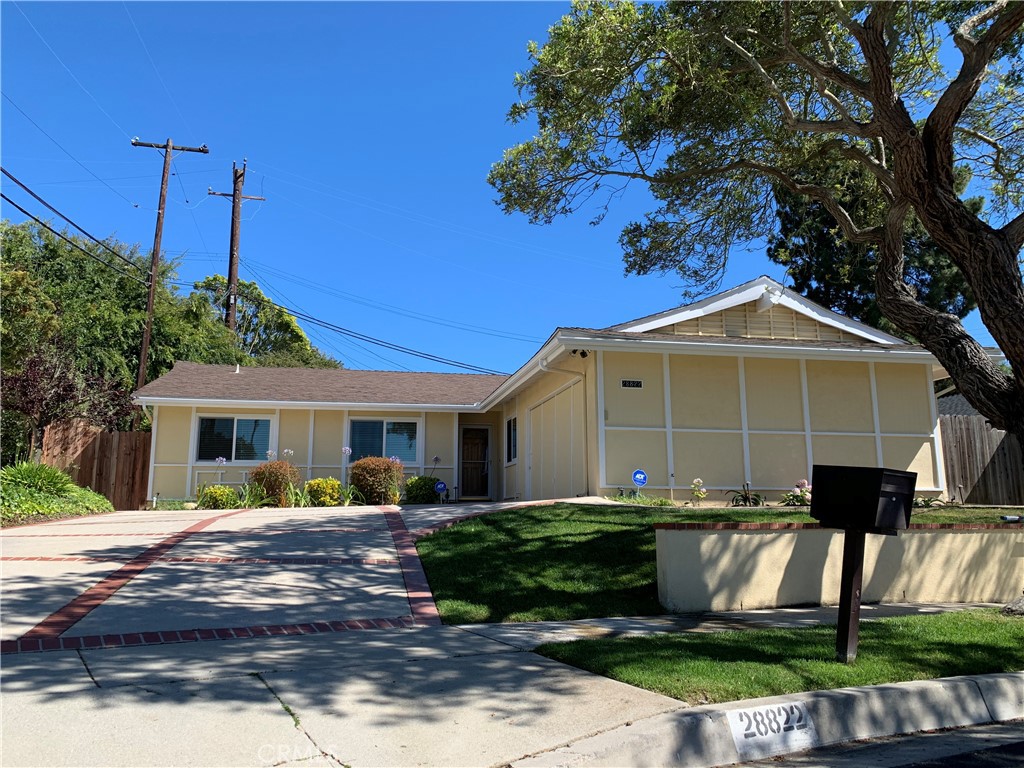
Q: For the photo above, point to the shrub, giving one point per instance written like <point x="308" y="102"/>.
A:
<point x="274" y="477"/>
<point x="20" y="503"/>
<point x="420" y="490"/>
<point x="800" y="496"/>
<point x="376" y="478"/>
<point x="251" y="496"/>
<point x="324" y="491"/>
<point x="218" y="497"/>
<point x="38" y="477"/>
<point x="297" y="496"/>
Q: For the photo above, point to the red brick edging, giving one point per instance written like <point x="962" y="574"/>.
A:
<point x="421" y="599"/>
<point x="27" y="644"/>
<point x="63" y="619"/>
<point x="816" y="526"/>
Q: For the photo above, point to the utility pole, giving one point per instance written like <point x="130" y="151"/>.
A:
<point x="168" y="149"/>
<point x="238" y="177"/>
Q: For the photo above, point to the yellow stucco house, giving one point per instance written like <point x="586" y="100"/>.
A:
<point x="753" y="385"/>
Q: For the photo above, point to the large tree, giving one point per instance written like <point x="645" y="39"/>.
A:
<point x="827" y="268"/>
<point x="712" y="105"/>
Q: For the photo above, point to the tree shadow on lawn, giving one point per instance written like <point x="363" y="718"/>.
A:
<point x="554" y="564"/>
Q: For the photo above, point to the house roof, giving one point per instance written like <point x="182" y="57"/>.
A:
<point x="763" y="289"/>
<point x="955" y="404"/>
<point x="193" y="383"/>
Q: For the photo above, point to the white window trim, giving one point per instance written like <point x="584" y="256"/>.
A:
<point x="511" y="462"/>
<point x="419" y="421"/>
<point x="194" y="448"/>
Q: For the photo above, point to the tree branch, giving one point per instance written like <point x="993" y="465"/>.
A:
<point x="792" y="122"/>
<point x="1014" y="230"/>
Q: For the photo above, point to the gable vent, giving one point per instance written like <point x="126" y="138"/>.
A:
<point x="632" y="384"/>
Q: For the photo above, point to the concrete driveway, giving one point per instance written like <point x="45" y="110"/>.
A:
<point x="266" y="637"/>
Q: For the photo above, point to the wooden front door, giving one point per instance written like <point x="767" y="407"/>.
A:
<point x="475" y="477"/>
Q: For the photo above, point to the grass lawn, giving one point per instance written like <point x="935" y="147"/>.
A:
<point x="576" y="561"/>
<point x="729" y="666"/>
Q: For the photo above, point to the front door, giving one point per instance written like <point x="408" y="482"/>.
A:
<point x="475" y="477"/>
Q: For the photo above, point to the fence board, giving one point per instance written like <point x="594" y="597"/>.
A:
<point x="983" y="465"/>
<point x="114" y="464"/>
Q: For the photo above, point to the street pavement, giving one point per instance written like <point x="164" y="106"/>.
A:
<point x="295" y="637"/>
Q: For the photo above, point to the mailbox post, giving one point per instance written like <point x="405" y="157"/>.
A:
<point x="859" y="500"/>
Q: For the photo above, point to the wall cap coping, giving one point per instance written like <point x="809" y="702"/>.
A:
<point x="816" y="526"/>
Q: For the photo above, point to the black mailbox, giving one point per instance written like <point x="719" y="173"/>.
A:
<point x="870" y="499"/>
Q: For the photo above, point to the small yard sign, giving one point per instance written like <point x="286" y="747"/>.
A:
<point x="440" y="487"/>
<point x="639" y="478"/>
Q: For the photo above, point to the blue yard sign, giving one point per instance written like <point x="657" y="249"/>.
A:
<point x="440" y="487"/>
<point x="639" y="478"/>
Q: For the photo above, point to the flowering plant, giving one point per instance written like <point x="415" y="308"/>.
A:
<point x="800" y="496"/>
<point x="697" y="490"/>
<point x="221" y="461"/>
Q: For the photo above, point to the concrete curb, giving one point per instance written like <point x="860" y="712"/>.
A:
<point x="722" y="734"/>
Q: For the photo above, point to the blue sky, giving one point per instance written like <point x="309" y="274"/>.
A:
<point x="369" y="128"/>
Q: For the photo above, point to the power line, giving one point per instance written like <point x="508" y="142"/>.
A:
<point x="61" y="148"/>
<point x="95" y="239"/>
<point x="68" y="70"/>
<point x="375" y="341"/>
<point x="71" y="242"/>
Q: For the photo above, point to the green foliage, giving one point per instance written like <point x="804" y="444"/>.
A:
<point x="642" y="500"/>
<point x="28" y="318"/>
<point x="297" y="496"/>
<point x="827" y="268"/>
<point x="926" y="502"/>
<point x="800" y="496"/>
<point x="28" y="494"/>
<point x="712" y="106"/>
<point x="376" y="478"/>
<point x="37" y="477"/>
<point x="350" y="493"/>
<point x="420" y="490"/>
<point x="218" y="497"/>
<point x="265" y="334"/>
<point x="747" y="497"/>
<point x="324" y="491"/>
<point x="274" y="477"/>
<point x="252" y="496"/>
<point x="705" y="668"/>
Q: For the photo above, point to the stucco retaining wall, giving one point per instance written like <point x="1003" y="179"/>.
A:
<point x="737" y="566"/>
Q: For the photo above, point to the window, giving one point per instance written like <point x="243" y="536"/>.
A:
<point x="511" y="441"/>
<point x="385" y="438"/>
<point x="233" y="439"/>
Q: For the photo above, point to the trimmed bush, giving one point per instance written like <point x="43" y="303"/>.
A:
<point x="420" y="490"/>
<point x="324" y="491"/>
<point x="274" y="477"/>
<point x="38" y="477"/>
<point x="377" y="479"/>
<point x="218" y="497"/>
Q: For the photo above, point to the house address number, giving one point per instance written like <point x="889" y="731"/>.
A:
<point x="772" y="730"/>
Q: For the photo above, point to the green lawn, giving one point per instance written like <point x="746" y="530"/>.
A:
<point x="575" y="561"/>
<point x="728" y="666"/>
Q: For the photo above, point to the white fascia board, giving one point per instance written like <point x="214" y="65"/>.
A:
<point x="285" y="404"/>
<point x="550" y="350"/>
<point x="752" y="291"/>
<point x="890" y="353"/>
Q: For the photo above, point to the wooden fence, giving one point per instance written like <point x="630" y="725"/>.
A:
<point x="983" y="465"/>
<point x="114" y="464"/>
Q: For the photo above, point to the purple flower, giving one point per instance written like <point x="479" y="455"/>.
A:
<point x="347" y="451"/>
<point x="395" y="459"/>
<point x="221" y="460"/>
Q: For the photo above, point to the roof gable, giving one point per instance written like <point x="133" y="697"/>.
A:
<point x="736" y="313"/>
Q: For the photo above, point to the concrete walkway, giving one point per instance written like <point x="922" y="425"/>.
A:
<point x="298" y="637"/>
